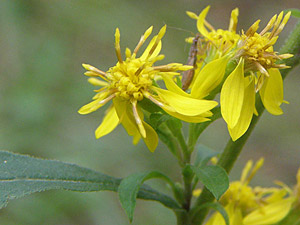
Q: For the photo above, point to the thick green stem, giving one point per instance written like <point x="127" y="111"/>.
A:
<point x="187" y="192"/>
<point x="187" y="178"/>
<point x="182" y="217"/>
<point x="233" y="149"/>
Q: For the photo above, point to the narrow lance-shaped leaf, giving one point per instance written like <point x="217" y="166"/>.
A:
<point x="22" y="175"/>
<point x="130" y="186"/>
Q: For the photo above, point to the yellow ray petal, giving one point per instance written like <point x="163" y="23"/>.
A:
<point x="216" y="219"/>
<point x="255" y="111"/>
<point x="232" y="95"/>
<point x="124" y="111"/>
<point x="185" y="105"/>
<point x="149" y="47"/>
<point x="269" y="214"/>
<point x="171" y="86"/>
<point x="117" y="45"/>
<point x="209" y="77"/>
<point x="94" y="105"/>
<point x="190" y="119"/>
<point x="100" y="93"/>
<point x="136" y="139"/>
<point x="271" y="92"/>
<point x="109" y="123"/>
<point x="233" y="20"/>
<point x="247" y="111"/>
<point x="151" y="140"/>
<point x="96" y="82"/>
<point x="192" y="15"/>
<point x="125" y="116"/>
<point x="200" y="22"/>
<point x="234" y="214"/>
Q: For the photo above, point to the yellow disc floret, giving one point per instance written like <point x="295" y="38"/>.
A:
<point x="257" y="48"/>
<point x="131" y="78"/>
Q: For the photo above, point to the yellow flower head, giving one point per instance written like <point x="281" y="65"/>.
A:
<point x="251" y="206"/>
<point x="257" y="48"/>
<point x="221" y="41"/>
<point x="256" y="71"/>
<point x="214" y="52"/>
<point x="130" y="81"/>
<point x="240" y="192"/>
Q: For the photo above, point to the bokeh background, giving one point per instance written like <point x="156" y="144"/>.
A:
<point x="42" y="85"/>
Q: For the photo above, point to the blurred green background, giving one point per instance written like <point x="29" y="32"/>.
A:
<point x="43" y="44"/>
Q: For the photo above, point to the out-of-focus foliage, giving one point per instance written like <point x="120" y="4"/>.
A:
<point x="42" y="85"/>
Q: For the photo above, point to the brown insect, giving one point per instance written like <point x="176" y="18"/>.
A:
<point x="187" y="76"/>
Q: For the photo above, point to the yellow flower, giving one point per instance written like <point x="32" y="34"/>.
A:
<point x="215" y="49"/>
<point x="256" y="71"/>
<point x="253" y="206"/>
<point x="219" y="41"/>
<point x="130" y="81"/>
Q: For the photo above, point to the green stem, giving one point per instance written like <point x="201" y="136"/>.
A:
<point x="187" y="192"/>
<point x="233" y="149"/>
<point x="182" y="217"/>
<point x="187" y="178"/>
<point x="184" y="147"/>
<point x="196" y="129"/>
<point x="166" y="136"/>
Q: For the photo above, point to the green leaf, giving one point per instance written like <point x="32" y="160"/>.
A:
<point x="156" y="119"/>
<point x="295" y="12"/>
<point x="130" y="186"/>
<point x="214" y="178"/>
<point x="22" y="175"/>
<point x="167" y="138"/>
<point x="204" y="154"/>
<point x="149" y="106"/>
<point x="216" y="206"/>
<point x="174" y="125"/>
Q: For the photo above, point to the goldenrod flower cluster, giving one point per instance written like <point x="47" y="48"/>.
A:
<point x="133" y="79"/>
<point x="256" y="69"/>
